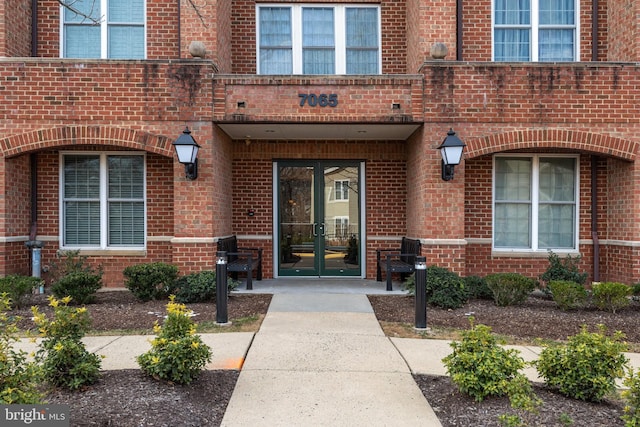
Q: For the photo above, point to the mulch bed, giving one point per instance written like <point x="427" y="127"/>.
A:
<point x="129" y="398"/>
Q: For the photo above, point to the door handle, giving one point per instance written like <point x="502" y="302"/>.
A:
<point x="315" y="229"/>
<point x="322" y="229"/>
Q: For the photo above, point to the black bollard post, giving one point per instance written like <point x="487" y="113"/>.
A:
<point x="222" y="317"/>
<point x="421" y="292"/>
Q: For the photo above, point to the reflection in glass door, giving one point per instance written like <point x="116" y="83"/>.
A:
<point x="319" y="218"/>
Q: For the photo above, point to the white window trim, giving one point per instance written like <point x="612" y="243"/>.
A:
<point x="339" y="31"/>
<point x="535" y="27"/>
<point x="104" y="30"/>
<point x="342" y="187"/>
<point x="104" y="214"/>
<point x="535" y="175"/>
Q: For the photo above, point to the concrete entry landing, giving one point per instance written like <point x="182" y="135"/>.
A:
<point x="291" y="285"/>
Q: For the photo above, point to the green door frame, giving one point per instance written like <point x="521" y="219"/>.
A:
<point x="309" y="246"/>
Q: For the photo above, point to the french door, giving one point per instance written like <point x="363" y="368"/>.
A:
<point x="318" y="208"/>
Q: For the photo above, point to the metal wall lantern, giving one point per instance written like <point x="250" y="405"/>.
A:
<point x="451" y="152"/>
<point x="187" y="150"/>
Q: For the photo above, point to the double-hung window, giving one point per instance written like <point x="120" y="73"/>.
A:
<point x="103" y="29"/>
<point x="103" y="200"/>
<point x="318" y="39"/>
<point x="535" y="203"/>
<point x="535" y="30"/>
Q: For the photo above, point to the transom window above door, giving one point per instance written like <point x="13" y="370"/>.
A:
<point x="112" y="29"/>
<point x="318" y="39"/>
<point x="535" y="30"/>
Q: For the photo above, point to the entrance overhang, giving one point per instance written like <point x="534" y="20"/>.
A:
<point x="315" y="131"/>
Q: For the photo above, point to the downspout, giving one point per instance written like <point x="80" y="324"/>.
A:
<point x="594" y="219"/>
<point x="34" y="28"/>
<point x="459" y="30"/>
<point x="35" y="246"/>
<point x="594" y="30"/>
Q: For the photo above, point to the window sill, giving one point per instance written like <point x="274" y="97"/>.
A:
<point x="531" y="254"/>
<point x="110" y="252"/>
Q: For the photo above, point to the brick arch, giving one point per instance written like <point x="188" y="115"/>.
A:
<point x="85" y="135"/>
<point x="552" y="138"/>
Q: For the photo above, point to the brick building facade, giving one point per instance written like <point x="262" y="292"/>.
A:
<point x="549" y="164"/>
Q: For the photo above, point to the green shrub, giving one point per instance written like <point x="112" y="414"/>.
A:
<point x="563" y="269"/>
<point x="79" y="285"/>
<point x="631" y="395"/>
<point x="18" y="288"/>
<point x="177" y="354"/>
<point x="71" y="275"/>
<point x="611" y="296"/>
<point x="444" y="288"/>
<point x="149" y="281"/>
<point x="480" y="367"/>
<point x="586" y="367"/>
<point x="477" y="288"/>
<point x="568" y="295"/>
<point x="65" y="360"/>
<point x="510" y="288"/>
<point x="19" y="378"/>
<point x="199" y="287"/>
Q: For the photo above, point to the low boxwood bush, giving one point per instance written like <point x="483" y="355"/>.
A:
<point x="631" y="396"/>
<point x="149" y="281"/>
<point x="477" y="288"/>
<point x="64" y="357"/>
<point x="199" y="287"/>
<point x="586" y="367"/>
<point x="81" y="286"/>
<point x="177" y="354"/>
<point x="510" y="288"/>
<point x="568" y="295"/>
<point x="444" y="288"/>
<point x="611" y="296"/>
<point x="19" y="378"/>
<point x="18" y="288"/>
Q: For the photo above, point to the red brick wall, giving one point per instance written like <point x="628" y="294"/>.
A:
<point x="624" y="33"/>
<point x="15" y="28"/>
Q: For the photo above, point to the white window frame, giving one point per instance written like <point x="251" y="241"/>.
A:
<point x="104" y="200"/>
<point x="104" y="29"/>
<point x="535" y="176"/>
<point x="340" y="28"/>
<point x="535" y="26"/>
<point x="344" y="195"/>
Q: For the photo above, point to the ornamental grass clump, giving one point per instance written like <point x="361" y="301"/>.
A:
<point x="585" y="368"/>
<point x="19" y="379"/>
<point x="65" y="360"/>
<point x="177" y="354"/>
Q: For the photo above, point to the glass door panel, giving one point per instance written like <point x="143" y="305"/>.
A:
<point x="298" y="227"/>
<point x="341" y="217"/>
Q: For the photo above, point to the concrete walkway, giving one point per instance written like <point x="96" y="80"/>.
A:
<point x="322" y="359"/>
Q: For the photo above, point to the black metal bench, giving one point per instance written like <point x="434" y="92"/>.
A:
<point x="243" y="260"/>
<point x="397" y="261"/>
